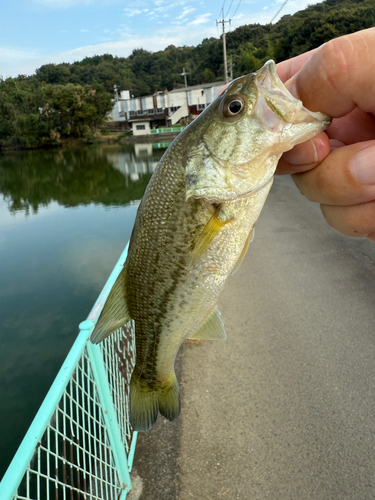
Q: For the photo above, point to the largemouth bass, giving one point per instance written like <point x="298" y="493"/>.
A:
<point x="193" y="229"/>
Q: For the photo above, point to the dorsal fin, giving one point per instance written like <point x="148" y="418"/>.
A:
<point x="211" y="328"/>
<point x="115" y="312"/>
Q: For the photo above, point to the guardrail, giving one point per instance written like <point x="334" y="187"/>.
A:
<point x="80" y="444"/>
<point x="166" y="130"/>
<point x="161" y="145"/>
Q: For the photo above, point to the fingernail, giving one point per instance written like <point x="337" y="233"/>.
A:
<point x="302" y="154"/>
<point x="363" y="166"/>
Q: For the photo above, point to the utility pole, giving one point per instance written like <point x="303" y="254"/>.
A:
<point x="184" y="75"/>
<point x="223" y="21"/>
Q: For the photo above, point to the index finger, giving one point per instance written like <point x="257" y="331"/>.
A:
<point x="287" y="69"/>
<point x="339" y="76"/>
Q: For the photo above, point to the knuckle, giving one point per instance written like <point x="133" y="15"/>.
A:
<point x="355" y="220"/>
<point x="336" y="54"/>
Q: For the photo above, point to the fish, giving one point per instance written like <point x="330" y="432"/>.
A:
<point x="193" y="228"/>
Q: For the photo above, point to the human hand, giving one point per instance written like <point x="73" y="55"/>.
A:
<point x="337" y="167"/>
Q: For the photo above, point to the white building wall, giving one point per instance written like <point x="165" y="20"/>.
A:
<point x="209" y="95"/>
<point x="149" y="102"/>
<point x="160" y="101"/>
<point x="215" y="91"/>
<point x="117" y="111"/>
<point x="141" y="131"/>
<point x="197" y="96"/>
<point x="177" y="99"/>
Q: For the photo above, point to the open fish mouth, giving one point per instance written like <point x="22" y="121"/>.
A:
<point x="276" y="108"/>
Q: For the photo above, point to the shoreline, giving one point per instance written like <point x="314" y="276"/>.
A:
<point x="111" y="138"/>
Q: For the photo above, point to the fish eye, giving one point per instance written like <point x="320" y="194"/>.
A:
<point x="233" y="106"/>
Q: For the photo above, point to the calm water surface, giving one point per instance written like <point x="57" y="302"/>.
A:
<point x="65" y="217"/>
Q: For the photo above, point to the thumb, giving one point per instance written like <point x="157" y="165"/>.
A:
<point x="304" y="156"/>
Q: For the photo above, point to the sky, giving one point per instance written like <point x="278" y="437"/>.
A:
<point x="37" y="32"/>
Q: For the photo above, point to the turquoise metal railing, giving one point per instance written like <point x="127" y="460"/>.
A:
<point x="161" y="145"/>
<point x="166" y="130"/>
<point x="80" y="444"/>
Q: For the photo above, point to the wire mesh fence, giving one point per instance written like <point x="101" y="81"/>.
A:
<point x="80" y="444"/>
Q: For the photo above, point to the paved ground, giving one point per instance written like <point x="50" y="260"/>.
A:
<point x="284" y="409"/>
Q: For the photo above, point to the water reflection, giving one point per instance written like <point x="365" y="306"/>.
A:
<point x="109" y="175"/>
<point x="65" y="218"/>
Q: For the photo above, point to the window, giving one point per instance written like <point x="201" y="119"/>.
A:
<point x="131" y="113"/>
<point x="173" y="108"/>
<point x="201" y="106"/>
<point x="159" y="110"/>
<point x="141" y="127"/>
<point x="151" y="111"/>
<point x="140" y="112"/>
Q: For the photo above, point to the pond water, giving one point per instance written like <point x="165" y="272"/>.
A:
<point x="65" y="217"/>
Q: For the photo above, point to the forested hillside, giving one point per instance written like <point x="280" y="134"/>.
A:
<point x="33" y="109"/>
<point x="250" y="46"/>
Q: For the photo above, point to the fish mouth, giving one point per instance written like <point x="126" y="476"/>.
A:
<point x="277" y="107"/>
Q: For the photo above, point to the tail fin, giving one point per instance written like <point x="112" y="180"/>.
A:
<point x="146" y="401"/>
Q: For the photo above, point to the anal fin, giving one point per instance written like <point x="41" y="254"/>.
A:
<point x="211" y="328"/>
<point x="115" y="312"/>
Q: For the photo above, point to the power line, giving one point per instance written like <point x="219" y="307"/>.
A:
<point x="278" y="12"/>
<point x="239" y="3"/>
<point x="226" y="15"/>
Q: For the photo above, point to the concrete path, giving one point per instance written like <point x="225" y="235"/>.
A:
<point x="284" y="409"/>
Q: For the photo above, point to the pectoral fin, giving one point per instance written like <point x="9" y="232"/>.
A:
<point x="211" y="328"/>
<point x="249" y="239"/>
<point x="210" y="231"/>
<point x="115" y="312"/>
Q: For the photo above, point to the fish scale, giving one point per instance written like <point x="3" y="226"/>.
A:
<point x="193" y="228"/>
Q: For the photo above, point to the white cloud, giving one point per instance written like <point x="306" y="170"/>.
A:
<point x="170" y="35"/>
<point x="84" y="31"/>
<point x="14" y="61"/>
<point x="132" y="12"/>
<point x="14" y="57"/>
<point x="202" y="19"/>
<point x="185" y="12"/>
